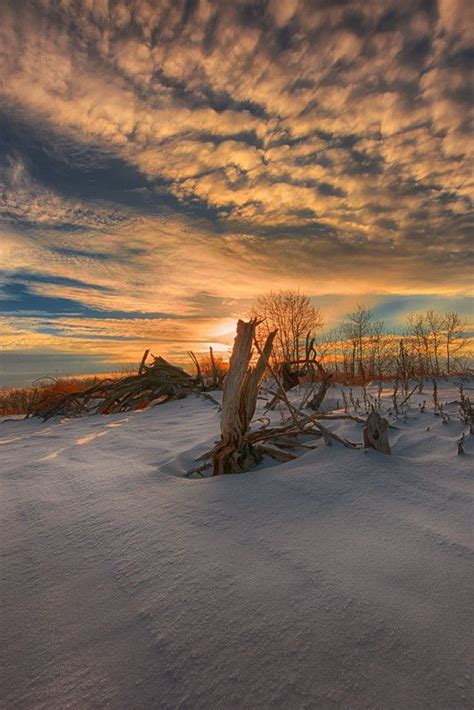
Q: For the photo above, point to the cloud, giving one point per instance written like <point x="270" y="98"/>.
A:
<point x="182" y="157"/>
<point x="26" y="202"/>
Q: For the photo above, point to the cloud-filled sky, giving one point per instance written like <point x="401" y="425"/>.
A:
<point x="162" y="163"/>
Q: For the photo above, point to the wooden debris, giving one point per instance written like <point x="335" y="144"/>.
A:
<point x="198" y="470"/>
<point x="210" y="398"/>
<point x="376" y="433"/>
<point x="301" y="420"/>
<point x="410" y="394"/>
<point x="276" y="453"/>
<point x="316" y="401"/>
<point x="156" y="383"/>
<point x="239" y="448"/>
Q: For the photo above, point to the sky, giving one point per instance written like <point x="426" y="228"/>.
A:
<point x="164" y="163"/>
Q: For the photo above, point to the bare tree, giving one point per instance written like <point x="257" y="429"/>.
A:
<point x="435" y="339"/>
<point x="418" y="334"/>
<point x="378" y="347"/>
<point x="329" y="350"/>
<point x="293" y="315"/>
<point x="435" y="324"/>
<point x="356" y="330"/>
<point x="454" y="329"/>
<point x="404" y="361"/>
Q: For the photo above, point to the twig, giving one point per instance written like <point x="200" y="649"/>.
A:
<point x="410" y="394"/>
<point x="210" y="398"/>
<point x="197" y="469"/>
<point x="277" y="454"/>
<point x="282" y="393"/>
<point x="142" y="363"/>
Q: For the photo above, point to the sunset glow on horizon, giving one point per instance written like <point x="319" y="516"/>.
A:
<point x="164" y="163"/>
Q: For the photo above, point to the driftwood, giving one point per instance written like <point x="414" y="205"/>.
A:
<point x="155" y="383"/>
<point x="240" y="448"/>
<point x="287" y="377"/>
<point x="234" y="453"/>
<point x="301" y="421"/>
<point x="376" y="433"/>
<point x="328" y="435"/>
<point x="276" y="453"/>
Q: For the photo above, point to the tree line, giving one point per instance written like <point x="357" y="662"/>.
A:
<point x="362" y="347"/>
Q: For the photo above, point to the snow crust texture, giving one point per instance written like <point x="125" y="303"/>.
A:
<point x="340" y="580"/>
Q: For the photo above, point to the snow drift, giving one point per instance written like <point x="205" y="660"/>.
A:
<point x="341" y="579"/>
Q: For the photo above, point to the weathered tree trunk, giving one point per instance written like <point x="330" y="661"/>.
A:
<point x="376" y="433"/>
<point x="234" y="453"/>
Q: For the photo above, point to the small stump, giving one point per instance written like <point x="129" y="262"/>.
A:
<point x="376" y="433"/>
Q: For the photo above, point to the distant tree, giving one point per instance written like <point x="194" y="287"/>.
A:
<point x="435" y="337"/>
<point x="356" y="330"/>
<point x="435" y="324"/>
<point x="417" y="333"/>
<point x="404" y="365"/>
<point x="379" y="357"/>
<point x="293" y="314"/>
<point x="454" y="329"/>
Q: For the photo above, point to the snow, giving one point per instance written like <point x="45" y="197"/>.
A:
<point x="340" y="580"/>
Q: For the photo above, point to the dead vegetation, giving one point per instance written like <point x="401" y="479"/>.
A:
<point x="48" y="390"/>
<point x="156" y="382"/>
<point x="242" y="447"/>
<point x="284" y="360"/>
<point x="252" y="373"/>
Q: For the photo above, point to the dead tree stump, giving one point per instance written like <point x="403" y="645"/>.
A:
<point x="376" y="433"/>
<point x="234" y="453"/>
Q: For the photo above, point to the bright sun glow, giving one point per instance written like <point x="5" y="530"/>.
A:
<point x="219" y="347"/>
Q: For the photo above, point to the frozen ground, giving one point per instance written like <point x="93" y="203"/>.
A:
<point x="340" y="580"/>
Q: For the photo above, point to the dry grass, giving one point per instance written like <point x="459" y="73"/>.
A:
<point x="19" y="400"/>
<point x="206" y="366"/>
<point x="49" y="391"/>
